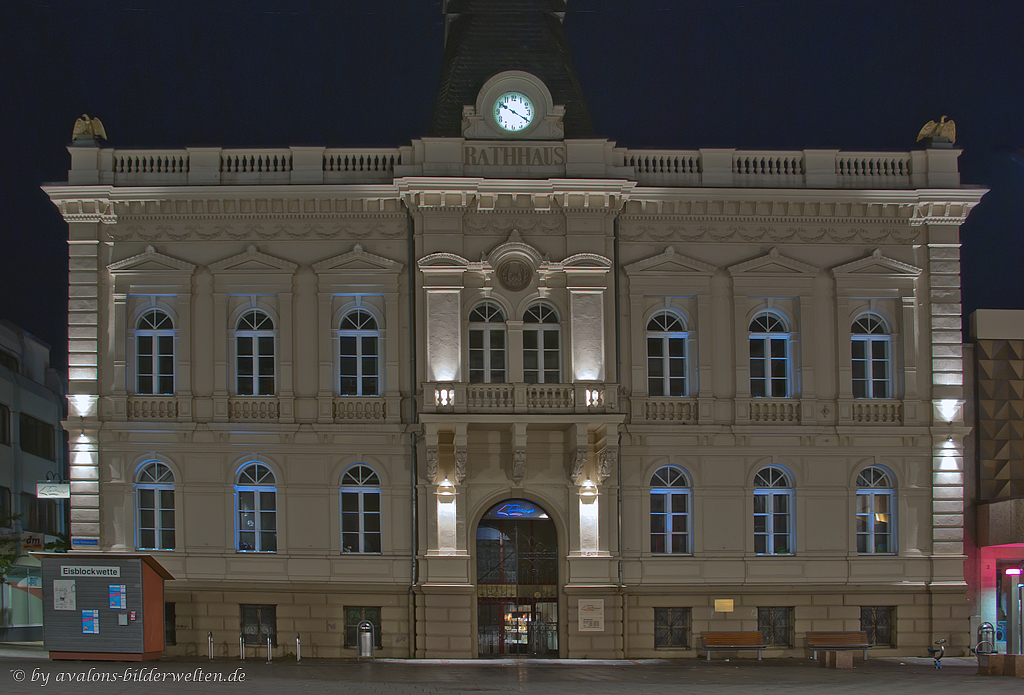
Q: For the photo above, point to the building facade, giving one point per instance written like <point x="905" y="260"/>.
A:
<point x="996" y="476"/>
<point x="511" y="389"/>
<point x="32" y="448"/>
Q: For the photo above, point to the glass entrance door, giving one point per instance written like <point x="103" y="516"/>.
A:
<point x="517" y="581"/>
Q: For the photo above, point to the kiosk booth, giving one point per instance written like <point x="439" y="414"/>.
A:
<point x="103" y="606"/>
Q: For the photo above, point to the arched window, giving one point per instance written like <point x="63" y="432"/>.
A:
<point x="670" y="512"/>
<point x="666" y="355"/>
<point x="359" y="368"/>
<point x="487" y="344"/>
<point x="154" y="353"/>
<point x="154" y="507"/>
<point x="256" y="509"/>
<point x="770" y="369"/>
<point x="876" y="511"/>
<point x="871" y="351"/>
<point x="254" y="354"/>
<point x="542" y="354"/>
<point x="360" y="510"/>
<point x="773" y="512"/>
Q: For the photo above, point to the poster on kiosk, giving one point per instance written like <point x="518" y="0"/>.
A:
<point x="103" y="606"/>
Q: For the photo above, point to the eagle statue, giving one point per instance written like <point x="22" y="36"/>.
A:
<point x="86" y="127"/>
<point x="943" y="130"/>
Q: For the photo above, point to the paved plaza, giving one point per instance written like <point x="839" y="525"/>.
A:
<point x="27" y="670"/>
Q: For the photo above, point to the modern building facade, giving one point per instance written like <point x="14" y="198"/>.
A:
<point x="511" y="389"/>
<point x="32" y="407"/>
<point x="996" y="476"/>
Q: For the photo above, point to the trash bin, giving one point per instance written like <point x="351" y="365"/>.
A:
<point x="986" y="639"/>
<point x="366" y="641"/>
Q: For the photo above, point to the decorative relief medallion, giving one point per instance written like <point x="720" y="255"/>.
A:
<point x="515" y="275"/>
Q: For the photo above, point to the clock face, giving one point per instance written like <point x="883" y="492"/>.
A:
<point x="513" y="111"/>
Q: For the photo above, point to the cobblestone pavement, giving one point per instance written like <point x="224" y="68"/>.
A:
<point x="28" y="671"/>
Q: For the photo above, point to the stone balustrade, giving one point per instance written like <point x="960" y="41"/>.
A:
<point x="930" y="168"/>
<point x="253" y="408"/>
<point x="519" y="398"/>
<point x="152" y="408"/>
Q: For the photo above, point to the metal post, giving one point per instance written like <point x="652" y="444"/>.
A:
<point x="270" y="654"/>
<point x="298" y="648"/>
<point x="209" y="639"/>
<point x="1013" y="614"/>
<point x="241" y="645"/>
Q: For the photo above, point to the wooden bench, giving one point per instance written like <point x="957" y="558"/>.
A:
<point x="838" y="641"/>
<point x="732" y="640"/>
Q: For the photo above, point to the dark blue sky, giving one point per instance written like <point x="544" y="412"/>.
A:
<point x="686" y="74"/>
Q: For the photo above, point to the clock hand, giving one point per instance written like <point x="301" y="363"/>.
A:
<point x="512" y="112"/>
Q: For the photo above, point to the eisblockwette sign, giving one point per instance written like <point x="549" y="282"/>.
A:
<point x="79" y="571"/>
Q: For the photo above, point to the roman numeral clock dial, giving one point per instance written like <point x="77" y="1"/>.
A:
<point x="513" y="111"/>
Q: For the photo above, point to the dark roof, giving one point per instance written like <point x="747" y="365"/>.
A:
<point x="485" y="37"/>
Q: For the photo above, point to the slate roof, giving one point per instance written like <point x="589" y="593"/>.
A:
<point x="485" y="37"/>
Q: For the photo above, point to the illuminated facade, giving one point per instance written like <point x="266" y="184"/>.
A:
<point x="511" y="389"/>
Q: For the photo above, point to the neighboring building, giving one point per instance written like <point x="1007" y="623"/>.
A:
<point x="510" y="389"/>
<point x="996" y="488"/>
<point x="31" y="451"/>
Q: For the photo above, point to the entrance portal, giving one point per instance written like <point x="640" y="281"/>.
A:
<point x="517" y="581"/>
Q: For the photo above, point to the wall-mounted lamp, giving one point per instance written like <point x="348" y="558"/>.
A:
<point x="446" y="488"/>
<point x="1013" y="571"/>
<point x="588" y="489"/>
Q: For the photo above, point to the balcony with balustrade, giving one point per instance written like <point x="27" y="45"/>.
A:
<point x="519" y="398"/>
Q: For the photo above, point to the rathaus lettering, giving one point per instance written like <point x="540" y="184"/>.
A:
<point x="497" y="155"/>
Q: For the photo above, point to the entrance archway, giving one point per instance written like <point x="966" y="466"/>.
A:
<point x="517" y="581"/>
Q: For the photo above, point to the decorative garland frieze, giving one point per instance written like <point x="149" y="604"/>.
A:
<point x="504" y="225"/>
<point x="389" y="227"/>
<point x="646" y="229"/>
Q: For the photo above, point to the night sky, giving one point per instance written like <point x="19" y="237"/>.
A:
<point x="666" y="74"/>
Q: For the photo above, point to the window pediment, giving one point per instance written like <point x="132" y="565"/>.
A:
<point x="772" y="264"/>
<point x="253" y="260"/>
<point x="670" y="263"/>
<point x="877" y="266"/>
<point x="357" y="260"/>
<point x="151" y="261"/>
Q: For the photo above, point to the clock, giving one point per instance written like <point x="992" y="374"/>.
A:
<point x="513" y="111"/>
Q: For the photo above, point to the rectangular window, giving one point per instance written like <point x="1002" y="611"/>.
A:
<point x="156" y="518"/>
<point x="360" y="521"/>
<point x="776" y="625"/>
<point x="671" y="628"/>
<point x="354" y="615"/>
<point x="9" y="361"/>
<point x="879" y="622"/>
<point x="5" y="425"/>
<point x="257" y="519"/>
<point x="259" y="622"/>
<point x="874" y="522"/>
<point x="170" y="636"/>
<point x="6" y="510"/>
<point x="670" y="528"/>
<point x="37" y="437"/>
<point x="771" y="523"/>
<point x="39" y="516"/>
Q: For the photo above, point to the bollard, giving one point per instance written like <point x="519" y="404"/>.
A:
<point x="298" y="648"/>
<point x="270" y="655"/>
<point x="209" y="639"/>
<point x="241" y="645"/>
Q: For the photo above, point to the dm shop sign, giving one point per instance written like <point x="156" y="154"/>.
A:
<point x="80" y="571"/>
<point x="513" y="155"/>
